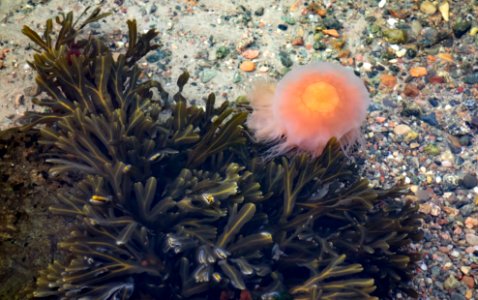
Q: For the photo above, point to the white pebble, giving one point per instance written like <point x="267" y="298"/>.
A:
<point x="392" y="22"/>
<point x="401" y="52"/>
<point x="367" y="66"/>
<point x="446" y="163"/>
<point x="423" y="266"/>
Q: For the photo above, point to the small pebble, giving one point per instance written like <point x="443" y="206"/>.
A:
<point x="469" y="181"/>
<point x="395" y="36"/>
<point x="247" y="66"/>
<point x="411" y="90"/>
<point x="222" y="52"/>
<point x="282" y="27"/>
<point x="285" y="59"/>
<point x="418" y="71"/>
<point x="428" y="8"/>
<point x="471" y="79"/>
<point x="207" y="75"/>
<point x="250" y="54"/>
<point x="401" y="129"/>
<point x="471" y="239"/>
<point x="259" y="12"/>
<point x="461" y="27"/>
<point x="451" y="283"/>
<point x="444" y="9"/>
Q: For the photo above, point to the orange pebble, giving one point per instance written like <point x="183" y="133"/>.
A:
<point x="431" y="58"/>
<point x="247" y="66"/>
<point x="418" y="71"/>
<point x="388" y="80"/>
<point x="331" y="32"/>
<point x="445" y="56"/>
<point x="250" y="54"/>
<point x="321" y="12"/>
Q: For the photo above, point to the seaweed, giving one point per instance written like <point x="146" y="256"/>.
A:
<point x="176" y="201"/>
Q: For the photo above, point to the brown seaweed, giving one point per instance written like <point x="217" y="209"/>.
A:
<point x="176" y="202"/>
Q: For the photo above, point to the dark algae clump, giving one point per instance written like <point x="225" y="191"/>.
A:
<point x="176" y="201"/>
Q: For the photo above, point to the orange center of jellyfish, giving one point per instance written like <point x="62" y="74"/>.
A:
<point x="320" y="97"/>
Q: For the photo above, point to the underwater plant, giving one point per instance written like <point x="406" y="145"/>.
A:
<point x="175" y="201"/>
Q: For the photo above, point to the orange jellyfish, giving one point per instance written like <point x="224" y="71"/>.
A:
<point x="309" y="106"/>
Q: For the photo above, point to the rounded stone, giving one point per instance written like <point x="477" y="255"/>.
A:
<point x="469" y="181"/>
<point x="395" y="36"/>
<point x="428" y="8"/>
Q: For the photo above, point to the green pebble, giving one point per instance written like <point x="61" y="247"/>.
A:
<point x="289" y="20"/>
<point x="432" y="149"/>
<point x="319" y="45"/>
<point x="285" y="59"/>
<point x="395" y="36"/>
<point x="461" y="27"/>
<point x="222" y="52"/>
<point x="236" y="78"/>
<point x="318" y="36"/>
<point x="374" y="28"/>
<point x="410" y="136"/>
<point x="451" y="283"/>
<point x="207" y="75"/>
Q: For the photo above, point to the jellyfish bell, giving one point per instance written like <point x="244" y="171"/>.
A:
<point x="309" y="106"/>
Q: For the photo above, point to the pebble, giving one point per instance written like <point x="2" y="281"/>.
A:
<point x="451" y="283"/>
<point x="401" y="129"/>
<point x="298" y="41"/>
<point x="152" y="58"/>
<point x="285" y="59"/>
<point x="318" y="45"/>
<point x="444" y="9"/>
<point x="418" y="71"/>
<point x="411" y="90"/>
<point x="222" y="52"/>
<point x="469" y="281"/>
<point x="430" y="119"/>
<point x="247" y="66"/>
<point x="411" y="53"/>
<point x="331" y="22"/>
<point x="457" y="296"/>
<point x="259" y="12"/>
<point x="388" y="80"/>
<point x="432" y="149"/>
<point x="433" y="101"/>
<point x="471" y="79"/>
<point x="282" y="27"/>
<point x="429" y="37"/>
<point x="395" y="36"/>
<point x="331" y="32"/>
<point x="469" y="181"/>
<point x="236" y="78"/>
<point x="411" y="136"/>
<point x="461" y="27"/>
<point x="471" y="222"/>
<point x="250" y="54"/>
<point x="465" y="269"/>
<point x="207" y="75"/>
<point x="428" y="8"/>
<point x="471" y="239"/>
